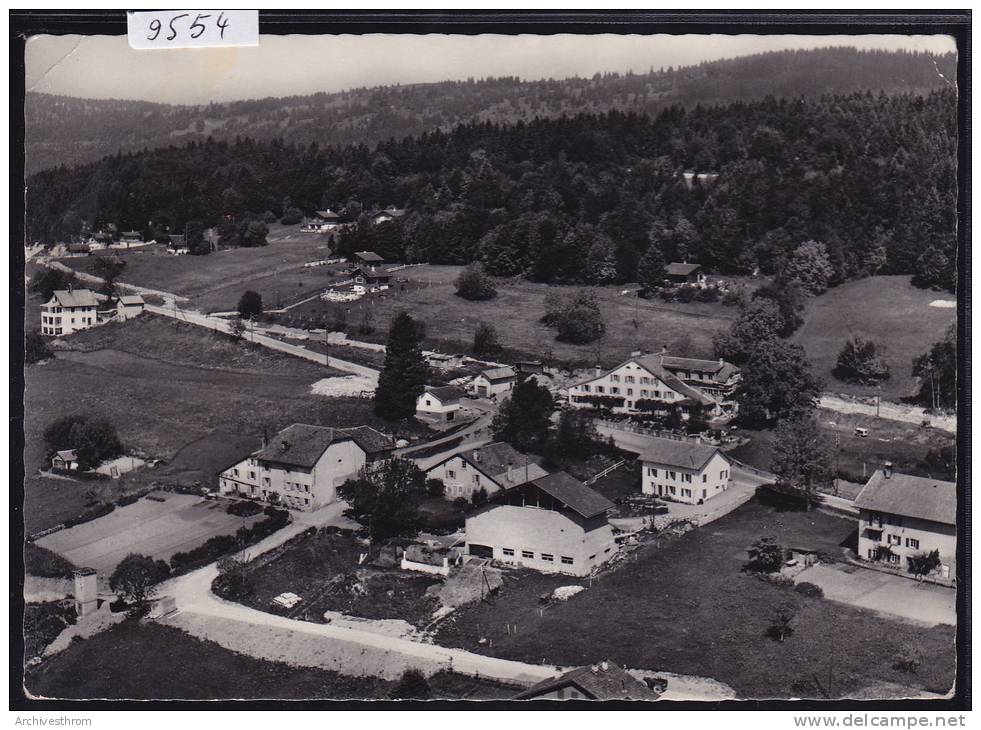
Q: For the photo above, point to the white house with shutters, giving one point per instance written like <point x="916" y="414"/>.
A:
<point x="69" y="311"/>
<point x="492" y="468"/>
<point x="684" y="471"/>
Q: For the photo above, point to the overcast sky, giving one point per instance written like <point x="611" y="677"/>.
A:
<point x="103" y="67"/>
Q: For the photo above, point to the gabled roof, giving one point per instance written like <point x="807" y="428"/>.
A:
<point x="681" y="269"/>
<point x="692" y="364"/>
<point x="79" y="247"/>
<point x="302" y="444"/>
<point x="177" y="239"/>
<point x="909" y="496"/>
<point x="445" y="393"/>
<point x="604" y="681"/>
<point x="498" y="374"/>
<point x="131" y="300"/>
<point x="652" y="364"/>
<point x="369" y="274"/>
<point x="328" y="215"/>
<point x="132" y="234"/>
<point x="67" y="455"/>
<point x="369" y="257"/>
<point x="393" y="212"/>
<point x="682" y="454"/>
<point x="76" y="298"/>
<point x="493" y="461"/>
<point x="573" y="494"/>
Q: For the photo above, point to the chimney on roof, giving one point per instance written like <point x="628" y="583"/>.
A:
<point x="636" y="353"/>
<point x="599" y="370"/>
<point x="476" y="455"/>
<point x="284" y="445"/>
<point x="510" y="472"/>
<point x="721" y="361"/>
<point x="605" y="666"/>
<point x="887" y="470"/>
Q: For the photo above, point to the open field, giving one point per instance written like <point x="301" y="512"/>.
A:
<point x="904" y="444"/>
<point x="148" y="661"/>
<point x="686" y="607"/>
<point x="158" y="529"/>
<point x="216" y="281"/>
<point x="886" y="309"/>
<point x="198" y="419"/>
<point x="631" y="322"/>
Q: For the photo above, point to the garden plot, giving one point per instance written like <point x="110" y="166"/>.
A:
<point x="348" y="385"/>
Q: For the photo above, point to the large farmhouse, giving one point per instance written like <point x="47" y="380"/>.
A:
<point x="302" y="466"/>
<point x="492" y="468"/>
<point x="901" y="516"/>
<point x="707" y="384"/>
<point x="554" y="524"/>
<point x="684" y="471"/>
<point x="69" y="311"/>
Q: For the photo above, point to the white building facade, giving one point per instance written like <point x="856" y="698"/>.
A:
<point x="685" y="472"/>
<point x="69" y="311"/>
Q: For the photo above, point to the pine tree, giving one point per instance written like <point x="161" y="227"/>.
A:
<point x="650" y="269"/>
<point x="404" y="375"/>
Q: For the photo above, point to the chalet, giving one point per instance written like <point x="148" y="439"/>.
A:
<point x="66" y="460"/>
<point x="69" y="311"/>
<point x="439" y="404"/>
<point x="716" y="378"/>
<point x="684" y="273"/>
<point x="131" y="237"/>
<point x="493" y="382"/>
<point x="370" y="276"/>
<point x="684" y="471"/>
<point x="324" y="221"/>
<point x="177" y="244"/>
<point x="901" y="516"/>
<point x="129" y="306"/>
<point x="603" y="681"/>
<point x="494" y="467"/>
<point x="384" y="216"/>
<point x="645" y="378"/>
<point x="78" y="249"/>
<point x="302" y="466"/>
<point x="369" y="258"/>
<point x="554" y="524"/>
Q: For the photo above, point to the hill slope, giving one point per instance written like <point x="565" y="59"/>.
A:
<point x="67" y="131"/>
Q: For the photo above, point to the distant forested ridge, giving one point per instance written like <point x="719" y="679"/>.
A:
<point x="67" y="131"/>
<point x="871" y="177"/>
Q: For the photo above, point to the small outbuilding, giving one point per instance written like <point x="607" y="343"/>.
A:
<point x="494" y="382"/>
<point x="684" y="273"/>
<point x="439" y="404"/>
<point x="129" y="306"/>
<point x="66" y="460"/>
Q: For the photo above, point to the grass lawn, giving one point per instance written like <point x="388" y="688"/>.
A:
<point x="886" y="309"/>
<point x="904" y="444"/>
<point x="686" y="607"/>
<point x="169" y="398"/>
<point x="632" y="323"/>
<point x="149" y="661"/>
<point x="323" y="569"/>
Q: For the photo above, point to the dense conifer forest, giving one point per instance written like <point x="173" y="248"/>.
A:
<point x="870" y="177"/>
<point x="66" y="130"/>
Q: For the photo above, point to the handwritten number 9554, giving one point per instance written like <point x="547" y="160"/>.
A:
<point x="195" y="29"/>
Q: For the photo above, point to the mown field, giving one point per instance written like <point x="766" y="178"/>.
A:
<point x="886" y="309"/>
<point x="194" y="399"/>
<point x="685" y="606"/>
<point x="145" y="661"/>
<point x="632" y="323"/>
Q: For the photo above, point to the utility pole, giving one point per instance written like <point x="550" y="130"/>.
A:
<point x="837" y="449"/>
<point x="326" y="346"/>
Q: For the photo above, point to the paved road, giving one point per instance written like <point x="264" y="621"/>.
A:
<point x="890" y="411"/>
<point x="884" y="593"/>
<point x="222" y="325"/>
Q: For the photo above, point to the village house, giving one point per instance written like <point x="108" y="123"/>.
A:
<point x="302" y="466"/>
<point x="384" y="216"/>
<point x="439" y="404"/>
<point x="78" y="249"/>
<point x="494" y="382"/>
<point x="66" y="460"/>
<point x="129" y="306"/>
<point x="715" y="378"/>
<point x="902" y="515"/>
<point x="684" y="471"/>
<point x="368" y="258"/>
<point x="647" y="378"/>
<point x="370" y="277"/>
<point x="324" y="221"/>
<point x="443" y="361"/>
<point x="553" y="524"/>
<point x="69" y="311"/>
<point x="130" y="237"/>
<point x="603" y="681"/>
<point x="684" y="273"/>
<point x="493" y="467"/>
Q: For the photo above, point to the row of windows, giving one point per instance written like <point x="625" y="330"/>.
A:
<point x="51" y="330"/>
<point x="644" y="393"/>
<point x="530" y="555"/>
<point x="911" y="542"/>
<point x="665" y="490"/>
<point x="880" y="519"/>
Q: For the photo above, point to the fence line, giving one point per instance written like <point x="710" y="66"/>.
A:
<point x="596" y="477"/>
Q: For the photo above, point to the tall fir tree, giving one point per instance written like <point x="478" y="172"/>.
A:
<point x="404" y="375"/>
<point x="650" y="269"/>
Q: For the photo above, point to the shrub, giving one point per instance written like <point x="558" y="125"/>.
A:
<point x="435" y="487"/>
<point x="244" y="509"/>
<point x="473" y="284"/>
<point x="461" y="503"/>
<point x="413" y="685"/>
<point x="291" y="216"/>
<point x="809" y="589"/>
<point x="127" y="499"/>
<point x="707" y="294"/>
<point x="766" y="556"/>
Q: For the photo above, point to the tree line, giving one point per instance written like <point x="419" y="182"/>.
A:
<point x="867" y="182"/>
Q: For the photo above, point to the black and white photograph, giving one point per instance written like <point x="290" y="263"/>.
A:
<point x="490" y="368"/>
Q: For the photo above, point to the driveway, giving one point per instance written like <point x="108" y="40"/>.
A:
<point x="883" y="593"/>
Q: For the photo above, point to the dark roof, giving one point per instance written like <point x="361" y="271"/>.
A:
<point x="682" y="454"/>
<point x="909" y="496"/>
<point x="394" y="212"/>
<point x="369" y="257"/>
<point x="131" y="299"/>
<point x="446" y="393"/>
<point x="78" y="247"/>
<point x="681" y="269"/>
<point x="652" y="364"/>
<point x="328" y="215"/>
<point x="177" y="240"/>
<point x="67" y="455"/>
<point x="369" y="274"/>
<point x="573" y="494"/>
<point x="499" y="374"/>
<point x="604" y="681"/>
<point x="132" y="234"/>
<point x="493" y="460"/>
<point x="369" y="439"/>
<point x="692" y="364"/>
<point x="302" y="444"/>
